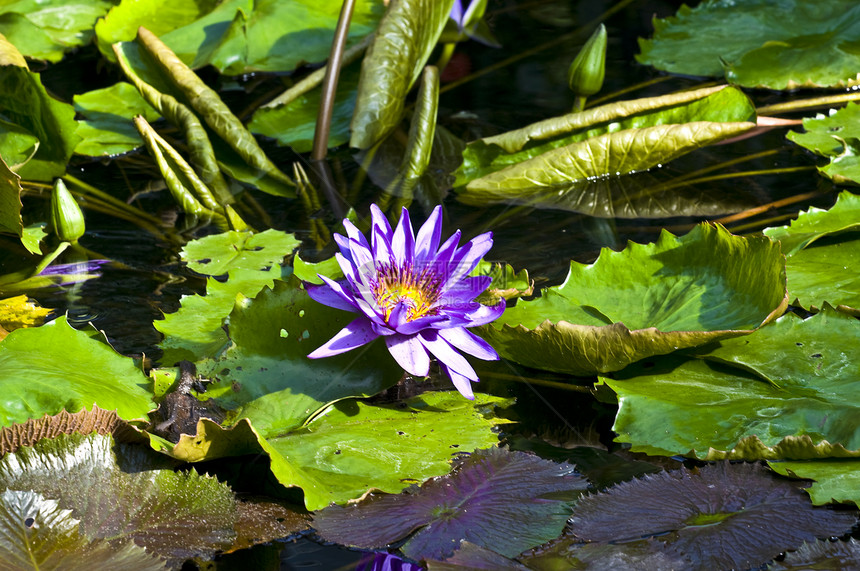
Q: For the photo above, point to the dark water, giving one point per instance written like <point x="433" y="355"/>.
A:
<point x="125" y="300"/>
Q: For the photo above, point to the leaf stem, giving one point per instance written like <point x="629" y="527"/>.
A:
<point x="804" y="104"/>
<point x="541" y="382"/>
<point x="329" y="86"/>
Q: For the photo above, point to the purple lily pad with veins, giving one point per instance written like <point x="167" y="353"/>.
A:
<point x="500" y="500"/>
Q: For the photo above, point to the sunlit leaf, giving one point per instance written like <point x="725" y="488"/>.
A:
<point x="106" y="120"/>
<point x="10" y="201"/>
<point x="47" y="29"/>
<point x="721" y="517"/>
<point x="712" y="104"/>
<point x="812" y="44"/>
<point x="816" y="223"/>
<point x="21" y="311"/>
<point x="825" y="273"/>
<point x="126" y="492"/>
<point x="76" y="373"/>
<point x="835" y="137"/>
<point x="495" y="498"/>
<point x="27" y="104"/>
<point x="824" y="555"/>
<point x="404" y="40"/>
<point x="646" y="300"/>
<point x="39" y="534"/>
<point x="216" y="254"/>
<point x="835" y="480"/>
<point x="793" y="378"/>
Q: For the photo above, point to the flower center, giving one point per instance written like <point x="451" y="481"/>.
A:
<point x="419" y="292"/>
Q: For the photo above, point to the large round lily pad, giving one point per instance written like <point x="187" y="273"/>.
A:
<point x="646" y="300"/>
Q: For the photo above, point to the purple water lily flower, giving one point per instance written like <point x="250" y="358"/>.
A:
<point x="413" y="293"/>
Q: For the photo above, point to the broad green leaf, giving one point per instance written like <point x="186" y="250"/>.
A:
<point x="816" y="223"/>
<point x="712" y="104"/>
<point x="835" y="480"/>
<point x="646" y="300"/>
<point x="158" y="16"/>
<point x="106" y="120"/>
<point x="26" y="104"/>
<point x="264" y="374"/>
<point x="76" y="373"/>
<point x="402" y="45"/>
<point x="125" y="493"/>
<point x="617" y="153"/>
<point x="310" y="271"/>
<point x="352" y="447"/>
<point x="809" y="43"/>
<point x="294" y="124"/>
<point x="47" y="29"/>
<point x="835" y="137"/>
<point x="17" y="144"/>
<point x="53" y="539"/>
<point x="808" y="410"/>
<point x="825" y="274"/>
<point x="216" y="254"/>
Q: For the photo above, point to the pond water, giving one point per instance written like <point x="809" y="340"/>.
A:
<point x="149" y="280"/>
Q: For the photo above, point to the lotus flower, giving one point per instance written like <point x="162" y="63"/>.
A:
<point x="413" y="293"/>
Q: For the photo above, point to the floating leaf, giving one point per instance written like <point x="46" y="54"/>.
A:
<point x="568" y="552"/>
<point x="38" y="534"/>
<point x="473" y="557"/>
<point x="495" y="499"/>
<point x="217" y="254"/>
<point x="646" y="300"/>
<point x="46" y="30"/>
<point x="616" y="153"/>
<point x="825" y="274"/>
<point x="21" y="311"/>
<point x="26" y="103"/>
<point x="816" y="223"/>
<point x="724" y="516"/>
<point x="812" y="45"/>
<point x="106" y="120"/>
<point x="403" y="43"/>
<point x="261" y="520"/>
<point x="712" y="104"/>
<point x="674" y="407"/>
<point x="833" y="555"/>
<point x="173" y="515"/>
<point x="835" y="480"/>
<point x="77" y="372"/>
<point x="837" y="138"/>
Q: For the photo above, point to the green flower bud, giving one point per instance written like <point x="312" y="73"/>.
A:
<point x="585" y="75"/>
<point x="67" y="220"/>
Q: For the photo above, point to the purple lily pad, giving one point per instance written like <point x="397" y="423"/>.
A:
<point x="496" y="499"/>
<point x="834" y="555"/>
<point x="724" y="516"/>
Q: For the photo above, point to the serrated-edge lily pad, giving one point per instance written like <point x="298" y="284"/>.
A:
<point x="816" y="223"/>
<point x="825" y="275"/>
<point x="724" y="516"/>
<point x="495" y="499"/>
<point x="834" y="137"/>
<point x="216" y="254"/>
<point x="834" y="555"/>
<point x="836" y="480"/>
<point x="647" y="300"/>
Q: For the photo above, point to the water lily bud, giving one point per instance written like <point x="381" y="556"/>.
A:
<point x="585" y="75"/>
<point x="67" y="220"/>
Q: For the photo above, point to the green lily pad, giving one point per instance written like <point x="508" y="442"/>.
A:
<point x="837" y="138"/>
<point x="216" y="254"/>
<point x="495" y="498"/>
<point x="713" y="104"/>
<point x="170" y="514"/>
<point x="810" y="44"/>
<point x="404" y="40"/>
<point x="77" y="372"/>
<point x="106" y="125"/>
<point x="825" y="274"/>
<point x="791" y="385"/>
<point x="646" y="300"/>
<point x="835" y="480"/>
<point x="816" y="223"/>
<point x="48" y="29"/>
<point x="27" y="104"/>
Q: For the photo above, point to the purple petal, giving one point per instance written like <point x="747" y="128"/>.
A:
<point x="463" y="384"/>
<point x="446" y="354"/>
<point x="398" y="315"/>
<point x="457" y="13"/>
<point x="331" y="296"/>
<point x="465" y="290"/>
<point x="428" y="237"/>
<point x="416" y="325"/>
<point x="359" y="332"/>
<point x="470" y="343"/>
<point x="443" y="256"/>
<point x="355" y="234"/>
<point x="379" y="220"/>
<point x="403" y="241"/>
<point x="466" y="258"/>
<point x="480" y="315"/>
<point x="409" y="354"/>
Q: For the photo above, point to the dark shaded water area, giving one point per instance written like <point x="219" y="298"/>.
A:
<point x="149" y="279"/>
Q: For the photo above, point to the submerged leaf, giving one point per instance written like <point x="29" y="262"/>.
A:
<point x="495" y="499"/>
<point x="646" y="300"/>
<point x="822" y="555"/>
<point x="403" y="42"/>
<point x="812" y="44"/>
<point x="724" y="516"/>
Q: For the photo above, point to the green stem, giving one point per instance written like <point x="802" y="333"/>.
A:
<point x="46" y="261"/>
<point x="805" y="104"/>
<point x="107" y="198"/>
<point x="541" y="382"/>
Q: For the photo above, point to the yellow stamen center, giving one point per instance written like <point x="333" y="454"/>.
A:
<point x="418" y="292"/>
